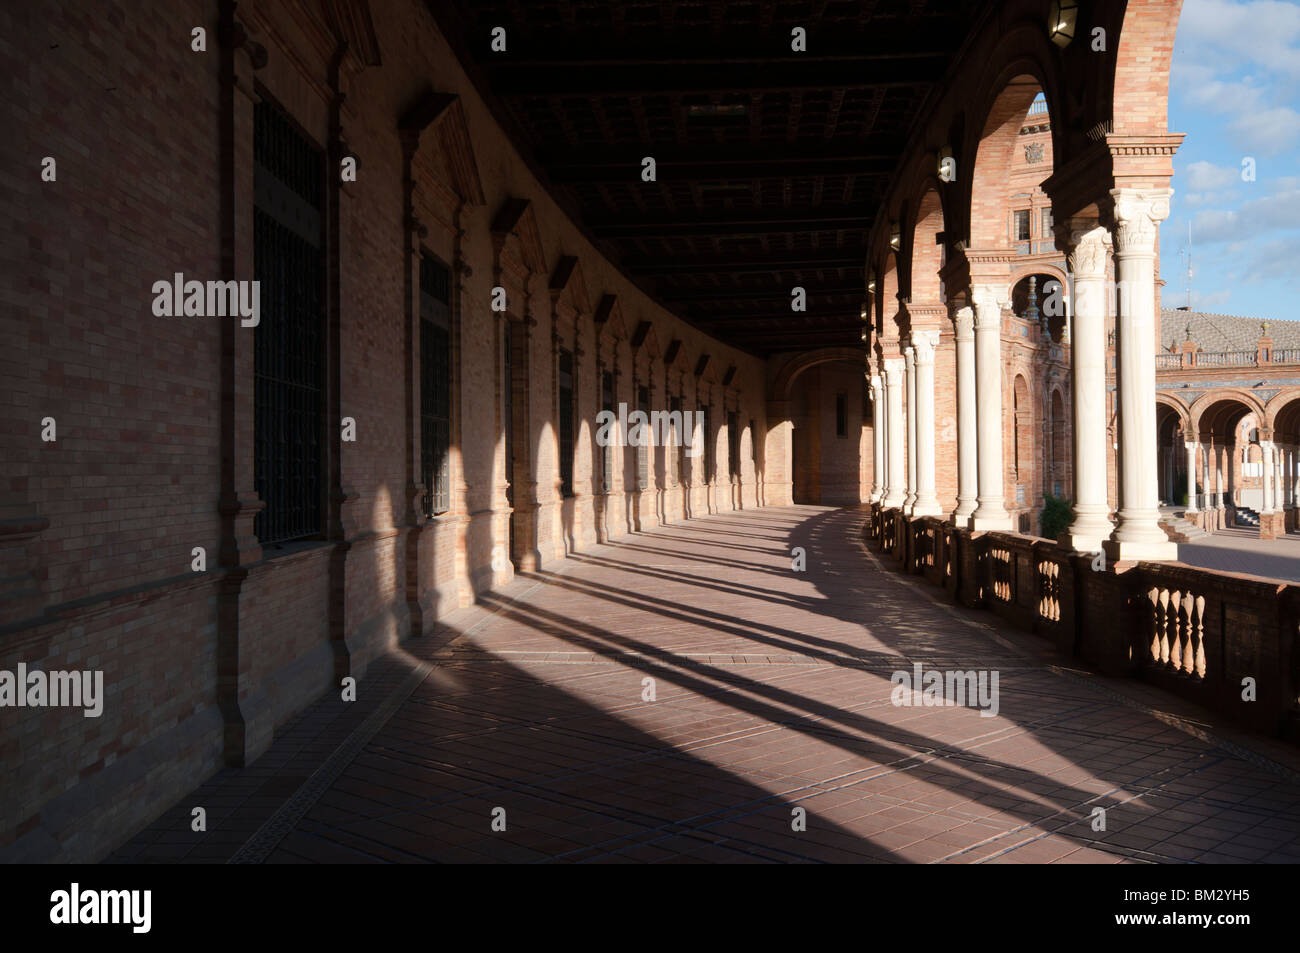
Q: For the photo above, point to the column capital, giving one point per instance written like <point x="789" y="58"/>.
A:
<point x="1138" y="214"/>
<point x="893" y="368"/>
<point x="909" y="354"/>
<point x="1190" y="445"/>
<point x="1087" y="248"/>
<point x="963" y="323"/>
<point x="924" y="343"/>
<point x="875" y="381"/>
<point x="988" y="307"/>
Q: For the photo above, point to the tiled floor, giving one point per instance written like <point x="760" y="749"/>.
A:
<point x="771" y="700"/>
<point x="1241" y="550"/>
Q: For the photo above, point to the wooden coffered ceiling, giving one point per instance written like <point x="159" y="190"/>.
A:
<point x="770" y="163"/>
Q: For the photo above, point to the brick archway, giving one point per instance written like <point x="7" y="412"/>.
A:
<point x="783" y="382"/>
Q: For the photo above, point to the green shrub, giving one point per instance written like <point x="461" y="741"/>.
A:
<point x="1056" y="517"/>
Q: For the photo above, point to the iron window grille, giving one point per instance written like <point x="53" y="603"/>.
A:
<point x="643" y="451"/>
<point x="708" y="444"/>
<point x="566" y="422"/>
<point x="733" y="446"/>
<point x="675" y="407"/>
<point x="435" y="385"/>
<point x="288" y="343"/>
<point x="607" y="456"/>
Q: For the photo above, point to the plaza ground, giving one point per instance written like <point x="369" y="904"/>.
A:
<point x="771" y="692"/>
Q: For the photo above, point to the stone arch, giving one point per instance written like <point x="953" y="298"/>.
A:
<point x="925" y="256"/>
<point x="993" y="126"/>
<point x="784" y="380"/>
<point x="1138" y="86"/>
<point x="886" y="303"/>
<point x="1175" y="405"/>
<point x="1215" y="402"/>
<point x="1280" y="409"/>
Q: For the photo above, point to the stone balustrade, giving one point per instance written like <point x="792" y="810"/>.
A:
<point x="1225" y="641"/>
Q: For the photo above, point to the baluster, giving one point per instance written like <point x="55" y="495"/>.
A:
<point x="1163" y="656"/>
<point x="1175" y="657"/>
<point x="1157" y="623"/>
<point x="1189" y="633"/>
<point x="1200" y="636"/>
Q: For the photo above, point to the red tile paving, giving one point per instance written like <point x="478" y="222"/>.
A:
<point x="772" y="693"/>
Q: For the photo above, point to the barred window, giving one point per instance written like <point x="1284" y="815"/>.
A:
<point x="288" y="343"/>
<point x="733" y="446"/>
<point x="566" y="422"/>
<point x="708" y="444"/>
<point x="1020" y="222"/>
<point x="675" y="406"/>
<point x="607" y="455"/>
<point x="841" y="415"/>
<point x="643" y="451"/>
<point x="435" y="385"/>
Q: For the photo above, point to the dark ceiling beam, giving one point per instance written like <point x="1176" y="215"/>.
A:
<point x="852" y="257"/>
<point x="844" y="316"/>
<point x="732" y="223"/>
<point x="789" y="73"/>
<point x="811" y="163"/>
<point x="781" y="293"/>
<point x="742" y="45"/>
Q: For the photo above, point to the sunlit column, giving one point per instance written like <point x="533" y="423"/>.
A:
<point x="1138" y="213"/>
<point x="877" y="440"/>
<point x="894" y="488"/>
<point x="909" y="370"/>
<point x="967" y="435"/>
<point x="1266" y="477"/>
<point x="923" y="345"/>
<point x="1218" y="476"/>
<point x="1089" y="246"/>
<point x="1191" y="476"/>
<point x="990" y="513"/>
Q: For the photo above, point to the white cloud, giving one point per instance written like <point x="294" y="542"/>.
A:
<point x="1206" y="176"/>
<point x="1270" y="131"/>
<point x="1279" y="211"/>
<point x="1262" y="33"/>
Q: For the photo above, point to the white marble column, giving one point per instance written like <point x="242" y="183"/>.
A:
<point x="1278" y="451"/>
<point x="877" y="440"/>
<point x="1138" y="213"/>
<point x="923" y="345"/>
<point x="909" y="372"/>
<point x="1191" y="476"/>
<point x="1266" y="478"/>
<point x="967" y="436"/>
<point x="894" y="489"/>
<point x="1090" y="245"/>
<point x="1218" y="477"/>
<point x="990" y="513"/>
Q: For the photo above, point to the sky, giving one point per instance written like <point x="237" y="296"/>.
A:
<point x="1235" y="93"/>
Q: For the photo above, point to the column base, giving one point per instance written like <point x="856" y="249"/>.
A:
<point x="927" y="509"/>
<point x="962" y="514"/>
<point x="1084" y="542"/>
<point x="984" y="524"/>
<point x="894" y="503"/>
<point x="1128" y="551"/>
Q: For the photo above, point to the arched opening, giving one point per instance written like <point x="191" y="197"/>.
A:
<point x="1057" y="442"/>
<point x="1172" y="475"/>
<point x="828" y="410"/>
<point x="1022" y="440"/>
<point x="928" y="250"/>
<point x="1230" y="425"/>
<point x="1038" y="299"/>
<point x="1013" y="158"/>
